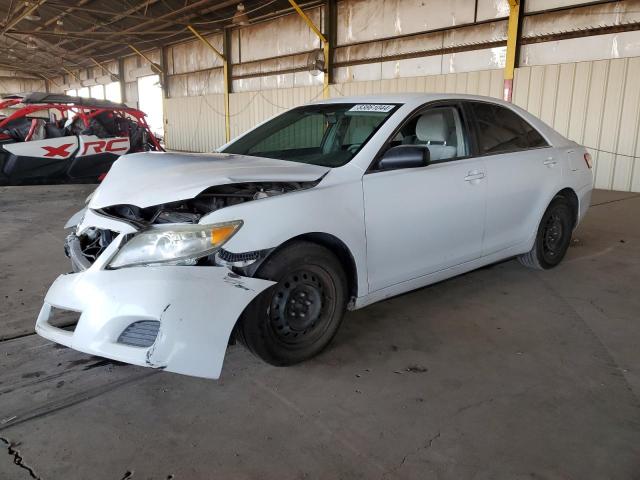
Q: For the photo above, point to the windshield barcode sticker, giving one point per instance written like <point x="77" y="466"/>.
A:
<point x="371" y="107"/>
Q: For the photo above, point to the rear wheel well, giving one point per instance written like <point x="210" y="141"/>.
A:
<point x="339" y="249"/>
<point x="572" y="198"/>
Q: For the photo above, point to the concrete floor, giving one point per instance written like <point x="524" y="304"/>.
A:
<point x="503" y="373"/>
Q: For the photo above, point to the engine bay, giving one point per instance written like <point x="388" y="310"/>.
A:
<point x="210" y="200"/>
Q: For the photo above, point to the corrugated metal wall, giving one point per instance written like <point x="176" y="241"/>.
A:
<point x="487" y="82"/>
<point x="194" y="124"/>
<point x="596" y="104"/>
<point x="19" y="84"/>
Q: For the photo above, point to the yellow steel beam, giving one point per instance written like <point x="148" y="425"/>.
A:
<point x="323" y="40"/>
<point x="153" y="65"/>
<point x="49" y="79"/>
<point x="308" y="21"/>
<point x="225" y="74"/>
<point x="72" y="74"/>
<point x="104" y="69"/>
<point x="512" y="46"/>
<point x="206" y="42"/>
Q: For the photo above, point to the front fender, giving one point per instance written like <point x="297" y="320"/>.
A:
<point x="335" y="209"/>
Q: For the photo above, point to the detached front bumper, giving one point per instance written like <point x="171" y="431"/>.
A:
<point x="196" y="308"/>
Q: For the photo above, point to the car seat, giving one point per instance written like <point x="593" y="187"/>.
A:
<point x="432" y="130"/>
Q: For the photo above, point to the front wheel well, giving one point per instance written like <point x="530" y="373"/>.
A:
<point x="570" y="195"/>
<point x="339" y="249"/>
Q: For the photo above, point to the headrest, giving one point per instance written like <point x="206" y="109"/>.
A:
<point x="432" y="127"/>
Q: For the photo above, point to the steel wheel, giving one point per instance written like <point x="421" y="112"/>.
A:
<point x="297" y="317"/>
<point x="301" y="306"/>
<point x="553" y="237"/>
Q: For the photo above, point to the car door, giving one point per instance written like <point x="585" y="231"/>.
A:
<point x="522" y="169"/>
<point x="425" y="219"/>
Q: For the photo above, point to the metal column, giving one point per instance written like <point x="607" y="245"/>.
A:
<point x="513" y="41"/>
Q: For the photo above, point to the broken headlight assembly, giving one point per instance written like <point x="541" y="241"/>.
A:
<point x="175" y="245"/>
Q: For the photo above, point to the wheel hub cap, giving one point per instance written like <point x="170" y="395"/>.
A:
<point x="303" y="308"/>
<point x="296" y="306"/>
<point x="553" y="234"/>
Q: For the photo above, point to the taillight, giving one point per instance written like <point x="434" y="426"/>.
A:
<point x="588" y="160"/>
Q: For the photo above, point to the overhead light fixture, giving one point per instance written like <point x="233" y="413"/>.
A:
<point x="240" y="17"/>
<point x="59" y="28"/>
<point x="31" y="43"/>
<point x="33" y="16"/>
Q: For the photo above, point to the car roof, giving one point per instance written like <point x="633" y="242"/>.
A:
<point x="415" y="100"/>
<point x="411" y="98"/>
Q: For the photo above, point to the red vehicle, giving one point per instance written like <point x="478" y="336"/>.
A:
<point x="52" y="138"/>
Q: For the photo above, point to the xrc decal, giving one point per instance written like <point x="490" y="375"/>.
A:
<point x="114" y="145"/>
<point x="63" y="151"/>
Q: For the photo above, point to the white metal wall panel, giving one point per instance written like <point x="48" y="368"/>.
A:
<point x="486" y="82"/>
<point x="20" y="85"/>
<point x="194" y="124"/>
<point x="594" y="103"/>
<point x="258" y="41"/>
<point x="362" y="20"/>
<point x="194" y="56"/>
<point x="613" y="45"/>
<point x="539" y="5"/>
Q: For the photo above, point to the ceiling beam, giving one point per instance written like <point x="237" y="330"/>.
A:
<point x="100" y="34"/>
<point x="134" y="9"/>
<point x="180" y="11"/>
<point x="106" y="12"/>
<point x="20" y="16"/>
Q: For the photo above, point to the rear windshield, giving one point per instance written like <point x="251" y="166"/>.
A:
<point x="329" y="135"/>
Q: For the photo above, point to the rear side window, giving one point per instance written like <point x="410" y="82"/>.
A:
<point x="501" y="130"/>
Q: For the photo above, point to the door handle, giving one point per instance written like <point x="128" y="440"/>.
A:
<point x="474" y="175"/>
<point x="550" y="162"/>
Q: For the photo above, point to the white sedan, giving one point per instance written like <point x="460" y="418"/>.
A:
<point x="326" y="207"/>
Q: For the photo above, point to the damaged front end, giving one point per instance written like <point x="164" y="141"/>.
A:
<point x="152" y="282"/>
<point x="139" y="305"/>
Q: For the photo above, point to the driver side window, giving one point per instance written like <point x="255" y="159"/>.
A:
<point x="437" y="128"/>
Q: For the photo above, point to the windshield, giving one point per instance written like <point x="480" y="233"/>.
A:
<point x="329" y="135"/>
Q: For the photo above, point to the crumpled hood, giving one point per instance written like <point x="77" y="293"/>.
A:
<point x="147" y="179"/>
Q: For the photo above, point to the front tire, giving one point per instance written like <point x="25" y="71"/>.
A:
<point x="295" y="319"/>
<point x="553" y="237"/>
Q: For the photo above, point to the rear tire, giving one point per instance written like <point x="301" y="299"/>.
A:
<point x="553" y="237"/>
<point x="295" y="319"/>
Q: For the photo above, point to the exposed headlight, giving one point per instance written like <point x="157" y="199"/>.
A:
<point x="175" y="245"/>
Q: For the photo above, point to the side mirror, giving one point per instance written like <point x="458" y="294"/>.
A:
<point x="404" y="156"/>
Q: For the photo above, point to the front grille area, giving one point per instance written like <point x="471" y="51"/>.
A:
<point x="83" y="250"/>
<point x="140" y="334"/>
